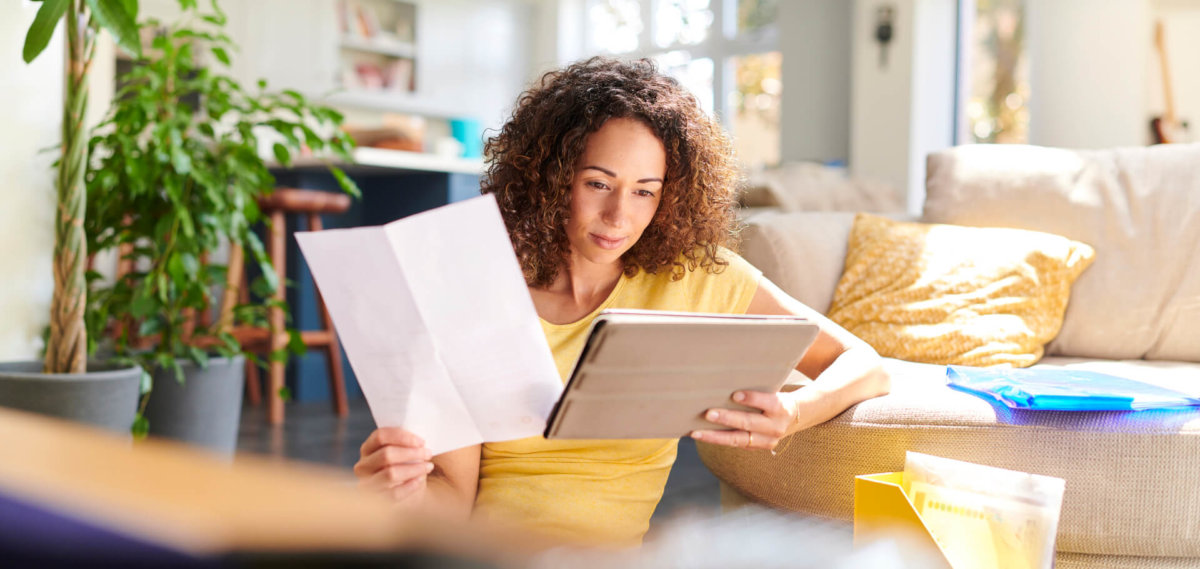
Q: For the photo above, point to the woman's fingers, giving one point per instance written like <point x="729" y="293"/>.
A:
<point x="738" y="439"/>
<point x="772" y="421"/>
<point x="769" y="403"/>
<point x="384" y="436"/>
<point x="397" y="475"/>
<point x="749" y="429"/>
<point x="390" y="455"/>
<point x="408" y="490"/>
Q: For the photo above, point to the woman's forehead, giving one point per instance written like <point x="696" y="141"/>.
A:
<point x="626" y="147"/>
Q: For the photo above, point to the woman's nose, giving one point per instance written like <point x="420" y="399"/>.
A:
<point x="616" y="209"/>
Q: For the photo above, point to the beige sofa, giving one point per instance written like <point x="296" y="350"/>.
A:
<point x="1133" y="478"/>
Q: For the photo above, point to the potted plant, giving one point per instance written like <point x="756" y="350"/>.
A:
<point x="64" y="384"/>
<point x="176" y="172"/>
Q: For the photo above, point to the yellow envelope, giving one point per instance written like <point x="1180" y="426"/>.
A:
<point x="965" y="537"/>
<point x="883" y="511"/>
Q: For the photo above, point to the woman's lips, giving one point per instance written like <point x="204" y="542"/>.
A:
<point x="606" y="242"/>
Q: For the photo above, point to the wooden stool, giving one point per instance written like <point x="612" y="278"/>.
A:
<point x="277" y="206"/>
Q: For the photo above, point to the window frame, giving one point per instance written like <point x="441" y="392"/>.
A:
<point x="722" y="45"/>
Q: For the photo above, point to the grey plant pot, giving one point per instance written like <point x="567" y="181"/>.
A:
<point x="106" y="396"/>
<point x="205" y="410"/>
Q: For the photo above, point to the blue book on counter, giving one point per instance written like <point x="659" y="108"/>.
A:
<point x="1061" y="389"/>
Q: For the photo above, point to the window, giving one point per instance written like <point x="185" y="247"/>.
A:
<point x="996" y="72"/>
<point x="754" y="107"/>
<point x="724" y="51"/>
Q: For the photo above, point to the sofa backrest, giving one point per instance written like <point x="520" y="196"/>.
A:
<point x="802" y="252"/>
<point x="1138" y="207"/>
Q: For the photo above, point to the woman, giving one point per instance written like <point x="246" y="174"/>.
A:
<point x="618" y="192"/>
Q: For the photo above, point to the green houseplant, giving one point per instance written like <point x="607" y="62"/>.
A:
<point x="62" y="384"/>
<point x="176" y="172"/>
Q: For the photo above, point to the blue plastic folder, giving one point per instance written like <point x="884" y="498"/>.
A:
<point x="1061" y="389"/>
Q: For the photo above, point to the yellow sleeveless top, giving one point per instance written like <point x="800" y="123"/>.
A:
<point x="601" y="492"/>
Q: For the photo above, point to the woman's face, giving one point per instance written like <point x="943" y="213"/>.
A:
<point x="617" y="186"/>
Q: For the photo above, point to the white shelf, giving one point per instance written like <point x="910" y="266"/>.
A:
<point x="394" y="101"/>
<point x="388" y="48"/>
<point x="382" y="159"/>
<point x="399" y="159"/>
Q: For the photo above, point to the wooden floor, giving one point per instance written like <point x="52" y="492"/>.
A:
<point x="313" y="433"/>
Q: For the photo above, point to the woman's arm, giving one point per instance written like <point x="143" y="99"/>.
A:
<point x="395" y="462"/>
<point x="846" y="371"/>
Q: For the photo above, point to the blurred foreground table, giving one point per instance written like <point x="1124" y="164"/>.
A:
<point x="71" y="495"/>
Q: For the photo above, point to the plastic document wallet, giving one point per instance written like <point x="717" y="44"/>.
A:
<point x="653" y="374"/>
<point x="1064" y="389"/>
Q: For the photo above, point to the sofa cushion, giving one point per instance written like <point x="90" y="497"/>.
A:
<point x="948" y="294"/>
<point x="1138" y="207"/>
<point x="1131" y="484"/>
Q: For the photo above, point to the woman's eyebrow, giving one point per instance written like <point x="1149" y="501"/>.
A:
<point x="612" y="174"/>
<point x="608" y="172"/>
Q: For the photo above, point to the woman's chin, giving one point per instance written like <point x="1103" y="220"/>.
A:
<point x="600" y="256"/>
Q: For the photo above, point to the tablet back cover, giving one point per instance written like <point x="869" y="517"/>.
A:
<point x="645" y="374"/>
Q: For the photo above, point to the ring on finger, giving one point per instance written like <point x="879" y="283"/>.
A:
<point x="750" y="440"/>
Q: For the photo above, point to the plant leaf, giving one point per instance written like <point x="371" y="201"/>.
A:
<point x="112" y="16"/>
<point x="142" y="306"/>
<point x="150" y="326"/>
<point x="198" y="356"/>
<point x="140" y="427"/>
<point x="221" y="55"/>
<point x="282" y="154"/>
<point x="42" y="29"/>
<point x="295" y="343"/>
<point x="131" y="8"/>
<point x="345" y="182"/>
<point x="146" y="385"/>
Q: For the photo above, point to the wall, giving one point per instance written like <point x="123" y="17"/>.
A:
<point x="882" y="94"/>
<point x="814" y="36"/>
<point x="474" y="54"/>
<point x="31" y="96"/>
<point x="1088" y="72"/>
<point x="933" y="91"/>
<point x="1181" y="22"/>
<point x="902" y="110"/>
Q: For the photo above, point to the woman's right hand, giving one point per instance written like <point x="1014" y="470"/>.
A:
<point x="395" y="462"/>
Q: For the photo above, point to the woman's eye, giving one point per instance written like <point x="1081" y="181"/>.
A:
<point x="598" y="185"/>
<point x="645" y="193"/>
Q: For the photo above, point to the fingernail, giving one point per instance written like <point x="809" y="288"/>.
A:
<point x="713" y="415"/>
<point x="428" y="467"/>
<point x="739" y="396"/>
<point x="696" y="435"/>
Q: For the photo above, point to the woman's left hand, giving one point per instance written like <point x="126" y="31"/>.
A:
<point x="750" y="429"/>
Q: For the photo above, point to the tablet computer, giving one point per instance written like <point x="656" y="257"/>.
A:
<point x="653" y="374"/>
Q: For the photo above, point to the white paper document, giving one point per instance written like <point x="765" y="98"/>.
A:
<point x="438" y="324"/>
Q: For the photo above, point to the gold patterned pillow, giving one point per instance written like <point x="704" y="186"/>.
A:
<point x="949" y="294"/>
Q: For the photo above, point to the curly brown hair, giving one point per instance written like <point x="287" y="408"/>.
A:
<point x="532" y="162"/>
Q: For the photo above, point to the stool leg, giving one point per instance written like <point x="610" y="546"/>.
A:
<point x="333" y="352"/>
<point x="253" y="384"/>
<point x="336" y="378"/>
<point x="275" y="377"/>
<point x="253" y="381"/>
